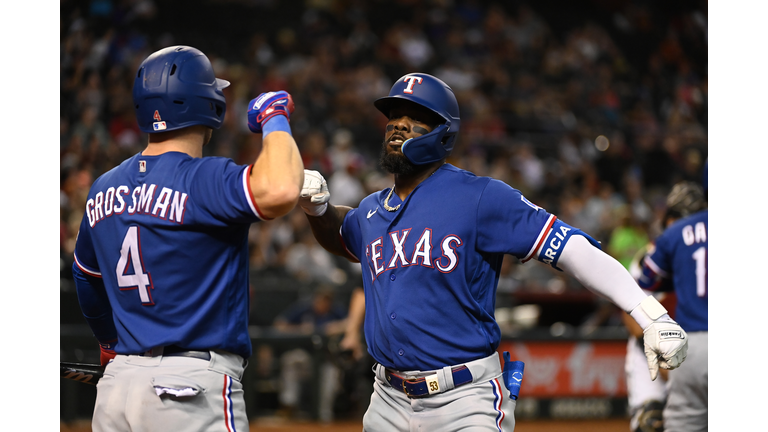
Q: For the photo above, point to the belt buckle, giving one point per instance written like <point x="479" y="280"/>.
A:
<point x="405" y="389"/>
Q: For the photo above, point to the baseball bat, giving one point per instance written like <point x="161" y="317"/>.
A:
<point x="82" y="372"/>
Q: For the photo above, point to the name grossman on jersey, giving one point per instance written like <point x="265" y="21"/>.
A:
<point x="169" y="205"/>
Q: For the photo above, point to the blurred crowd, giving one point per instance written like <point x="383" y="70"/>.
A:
<point x="592" y="118"/>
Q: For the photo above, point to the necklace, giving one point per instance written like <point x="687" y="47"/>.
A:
<point x="389" y="208"/>
<point x="386" y="201"/>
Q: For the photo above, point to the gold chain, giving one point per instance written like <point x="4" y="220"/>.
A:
<point x="386" y="201"/>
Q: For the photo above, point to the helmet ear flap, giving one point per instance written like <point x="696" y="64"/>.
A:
<point x="449" y="139"/>
<point x="430" y="147"/>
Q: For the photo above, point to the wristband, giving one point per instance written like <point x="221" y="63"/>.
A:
<point x="107" y="351"/>
<point x="648" y="311"/>
<point x="274" y="124"/>
<point x="109" y="345"/>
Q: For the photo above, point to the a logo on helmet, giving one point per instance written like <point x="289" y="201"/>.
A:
<point x="411" y="80"/>
<point x="156" y="116"/>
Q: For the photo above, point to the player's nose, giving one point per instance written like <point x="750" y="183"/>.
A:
<point x="401" y="124"/>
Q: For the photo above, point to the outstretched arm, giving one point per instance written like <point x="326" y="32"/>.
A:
<point x="600" y="273"/>
<point x="666" y="344"/>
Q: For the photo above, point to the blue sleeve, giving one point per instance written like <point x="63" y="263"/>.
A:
<point x="351" y="234"/>
<point x="508" y="223"/>
<point x="222" y="191"/>
<point x="656" y="269"/>
<point x="554" y="242"/>
<point x="85" y="255"/>
<point x="95" y="306"/>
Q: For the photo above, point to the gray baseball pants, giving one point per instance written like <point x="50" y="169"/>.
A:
<point x="157" y="393"/>
<point x="481" y="405"/>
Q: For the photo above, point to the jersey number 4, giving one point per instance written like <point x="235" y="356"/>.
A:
<point x="130" y="257"/>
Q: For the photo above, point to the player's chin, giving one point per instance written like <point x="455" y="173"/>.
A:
<point x="395" y="162"/>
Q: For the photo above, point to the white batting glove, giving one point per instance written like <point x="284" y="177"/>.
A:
<point x="314" y="195"/>
<point x="666" y="343"/>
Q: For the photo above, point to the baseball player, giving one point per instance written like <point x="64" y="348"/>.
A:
<point x="647" y="398"/>
<point x="430" y="249"/>
<point x="161" y="260"/>
<point x="679" y="256"/>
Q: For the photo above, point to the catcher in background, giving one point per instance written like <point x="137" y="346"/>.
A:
<point x="646" y="398"/>
<point x="162" y="254"/>
<point x="679" y="256"/>
<point x="430" y="250"/>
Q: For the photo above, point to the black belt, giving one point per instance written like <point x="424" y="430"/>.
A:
<point x="176" y="351"/>
<point x="418" y="387"/>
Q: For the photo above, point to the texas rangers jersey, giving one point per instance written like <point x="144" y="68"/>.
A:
<point x="430" y="268"/>
<point x="168" y="235"/>
<point x="680" y="255"/>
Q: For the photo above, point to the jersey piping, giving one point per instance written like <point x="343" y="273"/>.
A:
<point x="249" y="193"/>
<point x="540" y="239"/>
<point x="655" y="267"/>
<point x="85" y="270"/>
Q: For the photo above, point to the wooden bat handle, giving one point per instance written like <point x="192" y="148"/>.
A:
<point x="82" y="372"/>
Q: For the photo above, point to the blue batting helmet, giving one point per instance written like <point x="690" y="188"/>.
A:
<point x="435" y="95"/>
<point x="176" y="88"/>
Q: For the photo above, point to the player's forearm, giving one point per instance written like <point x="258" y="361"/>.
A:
<point x="94" y="305"/>
<point x="326" y="229"/>
<point x="600" y="273"/>
<point x="277" y="175"/>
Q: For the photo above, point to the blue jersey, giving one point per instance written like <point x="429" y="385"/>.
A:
<point x="168" y="235"/>
<point x="431" y="268"/>
<point x="680" y="255"/>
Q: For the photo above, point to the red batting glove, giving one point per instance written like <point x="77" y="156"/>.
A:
<point x="107" y="353"/>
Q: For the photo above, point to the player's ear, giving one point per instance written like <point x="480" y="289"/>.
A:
<point x="207" y="136"/>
